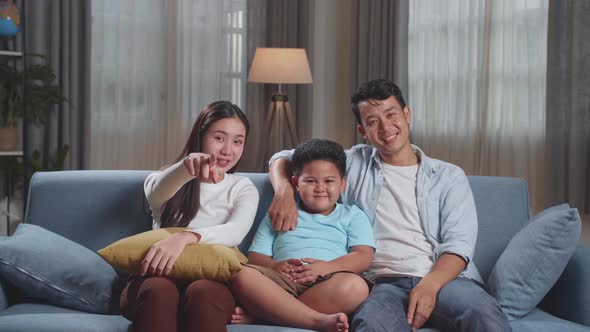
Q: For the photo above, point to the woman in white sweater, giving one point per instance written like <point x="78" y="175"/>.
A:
<point x="197" y="191"/>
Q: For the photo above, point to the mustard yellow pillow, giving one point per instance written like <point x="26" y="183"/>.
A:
<point x="197" y="261"/>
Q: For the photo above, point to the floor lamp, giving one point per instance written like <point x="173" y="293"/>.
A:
<point x="279" y="66"/>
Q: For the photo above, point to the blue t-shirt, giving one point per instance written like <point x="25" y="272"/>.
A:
<point x="316" y="236"/>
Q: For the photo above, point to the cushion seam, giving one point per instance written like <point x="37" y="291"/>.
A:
<point x="44" y="281"/>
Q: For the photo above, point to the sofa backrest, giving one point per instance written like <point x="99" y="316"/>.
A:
<point x="93" y="208"/>
<point x="96" y="208"/>
<point x="502" y="210"/>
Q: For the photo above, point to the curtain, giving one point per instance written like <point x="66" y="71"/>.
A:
<point x="379" y="30"/>
<point x="477" y="85"/>
<point x="257" y="95"/>
<point x="379" y="41"/>
<point x="151" y="73"/>
<point x="568" y="105"/>
<point x="276" y="23"/>
<point x="155" y="65"/>
<point x="59" y="32"/>
<point x="335" y="33"/>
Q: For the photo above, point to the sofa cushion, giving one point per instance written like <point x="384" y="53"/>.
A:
<point x="534" y="259"/>
<point x="55" y="270"/>
<point x="263" y="328"/>
<point x="27" y="317"/>
<point x="264" y="187"/>
<point x="540" y="321"/>
<point x="197" y="261"/>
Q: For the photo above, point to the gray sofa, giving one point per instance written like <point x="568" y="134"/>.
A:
<point x="96" y="208"/>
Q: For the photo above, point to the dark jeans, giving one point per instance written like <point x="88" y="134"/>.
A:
<point x="461" y="305"/>
<point x="158" y="304"/>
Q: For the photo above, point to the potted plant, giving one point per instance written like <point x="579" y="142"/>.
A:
<point x="41" y="92"/>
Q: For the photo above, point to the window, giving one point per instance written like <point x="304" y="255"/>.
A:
<point x="155" y="64"/>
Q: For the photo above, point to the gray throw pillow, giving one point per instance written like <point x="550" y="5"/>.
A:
<point x="55" y="270"/>
<point x="534" y="259"/>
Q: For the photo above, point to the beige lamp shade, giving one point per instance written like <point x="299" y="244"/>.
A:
<point x="280" y="65"/>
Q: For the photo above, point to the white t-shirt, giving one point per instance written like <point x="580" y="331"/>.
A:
<point x="402" y="246"/>
<point x="226" y="209"/>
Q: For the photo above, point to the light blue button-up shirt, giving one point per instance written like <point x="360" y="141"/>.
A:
<point x="445" y="201"/>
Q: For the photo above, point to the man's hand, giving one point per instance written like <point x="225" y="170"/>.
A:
<point x="421" y="302"/>
<point x="283" y="209"/>
<point x="311" y="271"/>
<point x="422" y="298"/>
<point x="162" y="254"/>
<point x="203" y="167"/>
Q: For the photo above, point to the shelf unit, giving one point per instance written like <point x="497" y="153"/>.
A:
<point x="11" y="53"/>
<point x="16" y="54"/>
<point x="11" y="154"/>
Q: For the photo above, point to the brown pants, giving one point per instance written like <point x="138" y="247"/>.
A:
<point x="298" y="289"/>
<point x="158" y="304"/>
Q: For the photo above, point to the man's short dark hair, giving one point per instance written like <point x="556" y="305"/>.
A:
<point x="318" y="149"/>
<point x="375" y="90"/>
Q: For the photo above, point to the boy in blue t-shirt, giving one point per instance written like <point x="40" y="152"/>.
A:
<point x="309" y="277"/>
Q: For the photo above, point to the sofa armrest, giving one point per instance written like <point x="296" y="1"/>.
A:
<point x="570" y="296"/>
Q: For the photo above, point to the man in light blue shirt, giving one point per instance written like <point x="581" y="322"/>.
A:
<point x="424" y="222"/>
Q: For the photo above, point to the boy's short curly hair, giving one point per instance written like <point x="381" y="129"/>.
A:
<point x="318" y="149"/>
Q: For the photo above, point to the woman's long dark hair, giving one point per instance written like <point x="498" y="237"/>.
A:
<point x="183" y="206"/>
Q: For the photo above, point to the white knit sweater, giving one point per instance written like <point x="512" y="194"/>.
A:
<point x="226" y="209"/>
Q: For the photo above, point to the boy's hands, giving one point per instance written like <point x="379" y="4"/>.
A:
<point x="310" y="272"/>
<point x="162" y="254"/>
<point x="286" y="266"/>
<point x="203" y="167"/>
